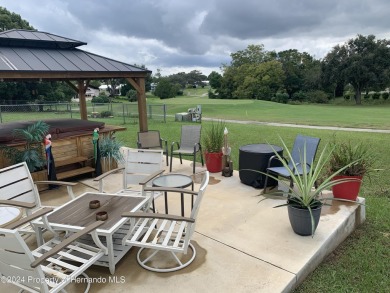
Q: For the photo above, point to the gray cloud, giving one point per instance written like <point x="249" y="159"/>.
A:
<point x="186" y="35"/>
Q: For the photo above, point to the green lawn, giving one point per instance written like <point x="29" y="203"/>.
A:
<point x="344" y="115"/>
<point x="359" y="264"/>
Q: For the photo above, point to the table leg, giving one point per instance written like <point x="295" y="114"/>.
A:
<point x="39" y="235"/>
<point x="166" y="202"/>
<point x="110" y="247"/>
<point x="182" y="204"/>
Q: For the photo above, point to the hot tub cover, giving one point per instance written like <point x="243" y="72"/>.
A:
<point x="58" y="128"/>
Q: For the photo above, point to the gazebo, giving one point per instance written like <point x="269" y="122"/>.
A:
<point x="34" y="55"/>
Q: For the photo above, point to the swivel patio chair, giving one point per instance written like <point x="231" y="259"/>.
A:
<point x="166" y="237"/>
<point x="151" y="140"/>
<point x="50" y="267"/>
<point x="301" y="143"/>
<point x="189" y="144"/>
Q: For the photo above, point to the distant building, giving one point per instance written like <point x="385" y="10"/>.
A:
<point x="89" y="94"/>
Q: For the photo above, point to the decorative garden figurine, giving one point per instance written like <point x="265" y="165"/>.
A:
<point x="96" y="151"/>
<point x="51" y="168"/>
<point x="227" y="164"/>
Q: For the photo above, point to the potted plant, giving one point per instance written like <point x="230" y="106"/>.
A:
<point x="344" y="154"/>
<point x="304" y="199"/>
<point x="212" y="144"/>
<point x="32" y="150"/>
<point x="110" y="154"/>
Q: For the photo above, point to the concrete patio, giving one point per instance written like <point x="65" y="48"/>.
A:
<point x="243" y="244"/>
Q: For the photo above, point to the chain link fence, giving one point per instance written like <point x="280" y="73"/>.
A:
<point x="124" y="112"/>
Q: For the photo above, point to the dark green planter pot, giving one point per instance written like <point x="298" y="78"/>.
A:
<point x="300" y="219"/>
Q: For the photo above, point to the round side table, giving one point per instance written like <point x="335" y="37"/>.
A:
<point x="9" y="215"/>
<point x="173" y="181"/>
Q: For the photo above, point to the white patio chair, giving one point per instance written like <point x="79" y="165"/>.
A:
<point x="16" y="184"/>
<point x="169" y="233"/>
<point x="50" y="267"/>
<point x="141" y="166"/>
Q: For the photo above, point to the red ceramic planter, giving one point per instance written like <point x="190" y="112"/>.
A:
<point x="347" y="190"/>
<point x="213" y="162"/>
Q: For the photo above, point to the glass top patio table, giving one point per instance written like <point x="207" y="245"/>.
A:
<point x="9" y="215"/>
<point x="173" y="181"/>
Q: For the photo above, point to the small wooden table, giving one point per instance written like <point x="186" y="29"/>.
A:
<point x="76" y="214"/>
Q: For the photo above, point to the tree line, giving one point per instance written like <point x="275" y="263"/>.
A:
<point x="360" y="65"/>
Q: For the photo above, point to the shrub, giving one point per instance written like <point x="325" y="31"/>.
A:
<point x="299" y="96"/>
<point x="385" y="95"/>
<point x="347" y="96"/>
<point x="280" y="98"/>
<point x="212" y="95"/>
<point x="317" y="96"/>
<point x="100" y="99"/>
<point x="366" y="96"/>
<point x="131" y="95"/>
<point x="376" y="96"/>
<point x="105" y="114"/>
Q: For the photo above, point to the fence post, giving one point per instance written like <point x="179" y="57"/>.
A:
<point x="165" y="113"/>
<point x="150" y="112"/>
<point x="70" y="108"/>
<point x="123" y="113"/>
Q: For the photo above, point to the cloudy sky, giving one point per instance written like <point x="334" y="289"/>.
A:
<point x="184" y="35"/>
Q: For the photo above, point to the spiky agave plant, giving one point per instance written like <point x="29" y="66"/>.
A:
<point x="304" y="194"/>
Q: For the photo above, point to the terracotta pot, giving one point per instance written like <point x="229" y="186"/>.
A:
<point x="347" y="190"/>
<point x="213" y="162"/>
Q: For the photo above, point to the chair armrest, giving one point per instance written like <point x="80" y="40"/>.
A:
<point x="150" y="177"/>
<point x="171" y="189"/>
<point x="65" y="243"/>
<point x="157" y="216"/>
<point x="104" y="175"/>
<point x="69" y="186"/>
<point x="274" y="157"/>
<point x="164" y="142"/>
<point x="21" y="204"/>
<point x="29" y="218"/>
<point x="173" y="144"/>
<point x="63" y="183"/>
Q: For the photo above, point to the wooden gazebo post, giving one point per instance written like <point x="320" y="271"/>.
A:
<point x="139" y="85"/>
<point x="80" y="90"/>
<point x="83" y="104"/>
